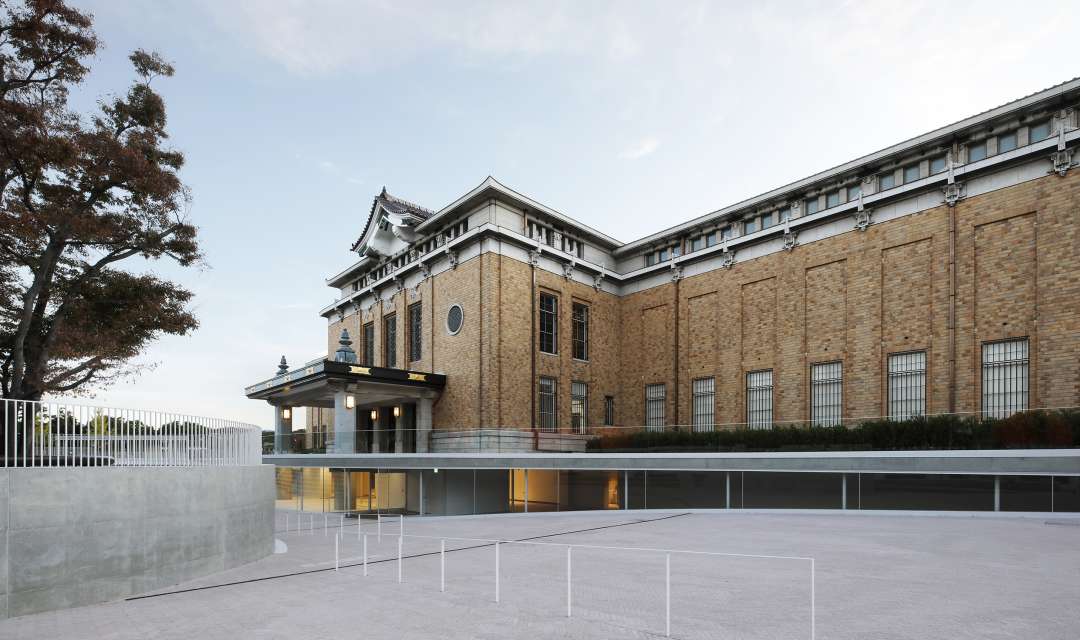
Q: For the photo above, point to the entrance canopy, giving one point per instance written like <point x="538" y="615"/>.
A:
<point x="316" y="383"/>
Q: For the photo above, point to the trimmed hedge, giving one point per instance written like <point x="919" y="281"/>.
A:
<point x="1029" y="429"/>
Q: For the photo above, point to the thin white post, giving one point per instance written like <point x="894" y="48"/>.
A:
<point x="358" y="530"/>
<point x="526" y="491"/>
<point x="311" y="524"/>
<point x="325" y="523"/>
<point x="813" y="606"/>
<point x="365" y="554"/>
<point x="341" y="525"/>
<point x="401" y="523"/>
<point x="378" y="516"/>
<point x="568" y="592"/>
<point x="667" y="601"/>
<point x="337" y="551"/>
<point x="442" y="565"/>
<point x="400" y="544"/>
<point x="997" y="493"/>
<point x="496" y="572"/>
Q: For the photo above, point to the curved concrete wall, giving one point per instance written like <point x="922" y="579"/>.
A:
<point x="72" y="537"/>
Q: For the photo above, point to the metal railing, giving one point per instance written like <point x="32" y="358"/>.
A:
<point x="65" y="434"/>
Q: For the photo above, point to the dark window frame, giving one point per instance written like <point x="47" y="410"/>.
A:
<point x="549" y="324"/>
<point x="416" y="331"/>
<point x="579" y="324"/>
<point x="390" y="341"/>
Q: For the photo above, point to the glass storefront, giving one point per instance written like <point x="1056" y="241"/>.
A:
<point x="473" y="491"/>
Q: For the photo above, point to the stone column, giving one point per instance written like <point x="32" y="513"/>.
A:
<point x="376" y="432"/>
<point x="399" y="429"/>
<point x="344" y="425"/>
<point x="282" y="431"/>
<point x="423" y="424"/>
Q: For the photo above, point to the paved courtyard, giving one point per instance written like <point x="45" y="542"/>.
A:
<point x="876" y="576"/>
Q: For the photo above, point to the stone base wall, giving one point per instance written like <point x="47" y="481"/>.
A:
<point x="73" y="537"/>
<point x="504" y="441"/>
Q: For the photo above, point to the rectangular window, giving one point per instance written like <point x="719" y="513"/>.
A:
<point x="697" y="244"/>
<point x="977" y="152"/>
<point x="911" y="174"/>
<point x="907" y="385"/>
<point x="1006" y="142"/>
<point x="710" y="239"/>
<point x="1004" y="378"/>
<point x="390" y="341"/>
<point x="549" y="323"/>
<point x="853" y="192"/>
<point x="768" y="220"/>
<point x="826" y="393"/>
<point x="759" y="397"/>
<point x="662" y="255"/>
<point x="811" y="206"/>
<point x="579" y="407"/>
<point x="580" y="331"/>
<point x="749" y="226"/>
<point x="650" y="259"/>
<point x="369" y="344"/>
<point x="415" y="331"/>
<point x="609" y="411"/>
<point x="655" y="401"/>
<point x="727" y="233"/>
<point x="886" y="181"/>
<point x="676" y="251"/>
<point x="832" y="200"/>
<point x="548" y="404"/>
<point x="937" y="165"/>
<point x="703" y="410"/>
<point x="1039" y="132"/>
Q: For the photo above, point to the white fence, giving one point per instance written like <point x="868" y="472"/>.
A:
<point x="63" y="434"/>
<point x="405" y="547"/>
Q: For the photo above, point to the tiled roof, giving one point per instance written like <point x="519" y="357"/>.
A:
<point x="394" y="205"/>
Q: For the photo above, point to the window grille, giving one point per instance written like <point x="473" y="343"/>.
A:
<point x="907" y="385"/>
<point x="390" y="341"/>
<point x="415" y="331"/>
<point x="579" y="407"/>
<point x="826" y="394"/>
<point x="609" y="411"/>
<point x="369" y="344"/>
<point x="549" y="323"/>
<point x="655" y="401"/>
<point x="759" y="399"/>
<point x="1004" y="378"/>
<point x="580" y="332"/>
<point x="703" y="411"/>
<point x="548" y="404"/>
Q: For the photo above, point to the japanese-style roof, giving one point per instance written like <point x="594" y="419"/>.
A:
<point x="408" y="210"/>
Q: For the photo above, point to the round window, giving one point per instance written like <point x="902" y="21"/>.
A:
<point x="454" y="317"/>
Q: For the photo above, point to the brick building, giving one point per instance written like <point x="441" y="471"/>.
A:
<point x="939" y="275"/>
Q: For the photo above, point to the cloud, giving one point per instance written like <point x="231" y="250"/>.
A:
<point x="641" y="149"/>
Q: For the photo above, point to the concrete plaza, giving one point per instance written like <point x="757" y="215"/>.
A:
<point x="876" y="576"/>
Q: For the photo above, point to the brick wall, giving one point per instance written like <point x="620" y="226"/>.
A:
<point x="856" y="298"/>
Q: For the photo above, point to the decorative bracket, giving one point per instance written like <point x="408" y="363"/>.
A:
<point x="727" y="259"/>
<point x="399" y="283"/>
<point x="954" y="192"/>
<point x="425" y="270"/>
<point x="568" y="270"/>
<point x="598" y="280"/>
<point x="534" y="257"/>
<point x="676" y="272"/>
<point x="791" y="238"/>
<point x="1062" y="158"/>
<point x="452" y="256"/>
<point x="862" y="219"/>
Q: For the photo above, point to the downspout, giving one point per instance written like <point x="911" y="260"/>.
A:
<point x="952" y="303"/>
<point x="532" y="350"/>
<point x="675" y="359"/>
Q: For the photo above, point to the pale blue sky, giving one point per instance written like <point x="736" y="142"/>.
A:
<point x="627" y="116"/>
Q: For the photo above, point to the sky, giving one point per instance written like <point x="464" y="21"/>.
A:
<point x="627" y="116"/>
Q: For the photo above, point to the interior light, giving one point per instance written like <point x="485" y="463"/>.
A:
<point x="374" y="414"/>
<point x="350" y="402"/>
<point x="436" y="469"/>
<point x="286" y="413"/>
<point x="397" y="412"/>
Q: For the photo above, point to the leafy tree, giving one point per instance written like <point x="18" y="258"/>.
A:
<point x="79" y="195"/>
